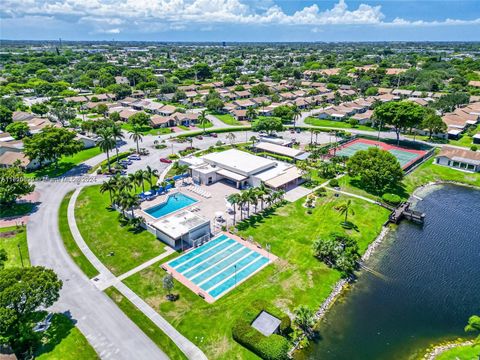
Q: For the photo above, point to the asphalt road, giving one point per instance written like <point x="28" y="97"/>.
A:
<point x="112" y="334"/>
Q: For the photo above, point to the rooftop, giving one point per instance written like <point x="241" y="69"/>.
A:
<point x="265" y="323"/>
<point x="179" y="223"/>
<point x="239" y="161"/>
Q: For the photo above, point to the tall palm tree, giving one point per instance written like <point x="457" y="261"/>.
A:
<point x="231" y="137"/>
<point x="251" y="113"/>
<point x="124" y="185"/>
<point x="246" y="200"/>
<point x="345" y="209"/>
<point x="296" y="113"/>
<point x="139" y="178"/>
<point x="202" y="119"/>
<point x="149" y="174"/>
<point x="131" y="202"/>
<point x="133" y="180"/>
<point x="106" y="143"/>
<point x="234" y="199"/>
<point x="316" y="132"/>
<point x="117" y="136"/>
<point x="136" y="135"/>
<point x="263" y="191"/>
<point x="109" y="186"/>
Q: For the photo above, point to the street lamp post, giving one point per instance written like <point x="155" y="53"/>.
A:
<point x="235" y="266"/>
<point x="20" y="252"/>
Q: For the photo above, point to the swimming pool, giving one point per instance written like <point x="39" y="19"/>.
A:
<point x="174" y="202"/>
<point x="219" y="265"/>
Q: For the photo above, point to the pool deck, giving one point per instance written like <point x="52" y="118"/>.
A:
<point x="208" y="298"/>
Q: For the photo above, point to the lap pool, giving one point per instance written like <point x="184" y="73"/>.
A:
<point x="217" y="266"/>
<point x="173" y="203"/>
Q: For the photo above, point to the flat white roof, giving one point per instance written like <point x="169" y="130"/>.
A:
<point x="289" y="175"/>
<point x="273" y="172"/>
<point x="231" y="175"/>
<point x="278" y="149"/>
<point x="239" y="161"/>
<point x="179" y="224"/>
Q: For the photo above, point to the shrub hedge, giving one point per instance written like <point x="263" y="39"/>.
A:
<point x="273" y="347"/>
<point x="391" y="199"/>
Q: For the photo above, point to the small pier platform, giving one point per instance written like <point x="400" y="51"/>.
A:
<point x="403" y="211"/>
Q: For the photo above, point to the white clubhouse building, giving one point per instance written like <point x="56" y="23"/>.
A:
<point x="242" y="169"/>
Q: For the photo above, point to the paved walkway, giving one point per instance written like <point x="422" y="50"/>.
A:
<point x="106" y="278"/>
<point x="111" y="333"/>
<point x="352" y="195"/>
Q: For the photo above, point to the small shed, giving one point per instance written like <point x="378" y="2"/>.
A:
<point x="266" y="323"/>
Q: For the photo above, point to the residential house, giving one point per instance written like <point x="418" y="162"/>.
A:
<point x="457" y="158"/>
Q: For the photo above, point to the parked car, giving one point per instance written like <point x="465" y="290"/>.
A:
<point x="214" y="135"/>
<point x="165" y="160"/>
<point x="134" y="157"/>
<point x="199" y="137"/>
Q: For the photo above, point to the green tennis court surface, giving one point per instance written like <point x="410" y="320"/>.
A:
<point x="404" y="157"/>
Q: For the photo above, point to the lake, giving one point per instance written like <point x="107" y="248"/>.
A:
<point x="424" y="285"/>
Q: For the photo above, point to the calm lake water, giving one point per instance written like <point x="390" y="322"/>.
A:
<point x="430" y="285"/>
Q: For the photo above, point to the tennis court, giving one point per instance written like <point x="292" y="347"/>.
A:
<point x="218" y="266"/>
<point x="405" y="156"/>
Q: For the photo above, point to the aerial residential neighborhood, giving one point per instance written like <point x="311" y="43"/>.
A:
<point x="240" y="180"/>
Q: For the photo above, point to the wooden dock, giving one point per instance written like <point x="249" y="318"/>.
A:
<point x="403" y="211"/>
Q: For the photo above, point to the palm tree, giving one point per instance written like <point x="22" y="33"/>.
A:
<point x="253" y="195"/>
<point x="246" y="200"/>
<point x="149" y="173"/>
<point x="117" y="136"/>
<point x="263" y="191"/>
<point x="133" y="180"/>
<point x="124" y="185"/>
<point x="231" y="137"/>
<point x="202" y="119"/>
<point x="253" y="139"/>
<point x="304" y="319"/>
<point x="109" y="186"/>
<point x="139" y="178"/>
<point x="251" y="113"/>
<point x="106" y="143"/>
<point x="131" y="202"/>
<point x="296" y="113"/>
<point x="136" y="135"/>
<point x="345" y="209"/>
<point x="234" y="199"/>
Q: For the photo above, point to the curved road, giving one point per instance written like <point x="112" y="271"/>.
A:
<point x="112" y="334"/>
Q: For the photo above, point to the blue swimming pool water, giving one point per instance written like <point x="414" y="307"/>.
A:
<point x="219" y="265"/>
<point x="174" y="202"/>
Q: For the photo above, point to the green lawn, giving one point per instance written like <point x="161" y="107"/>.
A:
<point x="426" y="173"/>
<point x="69" y="242"/>
<point x="10" y="239"/>
<point x="65" y="342"/>
<point x="227" y="119"/>
<point x="296" y="278"/>
<point x="103" y="233"/>
<point x="65" y="163"/>
<point x="146" y="325"/>
<point x="429" y="172"/>
<point x="460" y="353"/>
<point x="148" y="130"/>
<point x="336" y="124"/>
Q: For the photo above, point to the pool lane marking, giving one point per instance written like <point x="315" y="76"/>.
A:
<point x="220" y="261"/>
<point x="231" y="276"/>
<point x="200" y="253"/>
<point x="208" y="258"/>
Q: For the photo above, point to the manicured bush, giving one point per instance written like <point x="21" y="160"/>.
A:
<point x="321" y="191"/>
<point x="391" y="199"/>
<point x="267" y="347"/>
<point x="273" y="347"/>
<point x="333" y="183"/>
<point x="474" y="147"/>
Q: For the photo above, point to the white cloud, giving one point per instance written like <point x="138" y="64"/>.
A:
<point x="158" y="15"/>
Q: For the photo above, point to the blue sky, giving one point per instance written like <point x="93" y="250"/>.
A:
<point x="241" y="20"/>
